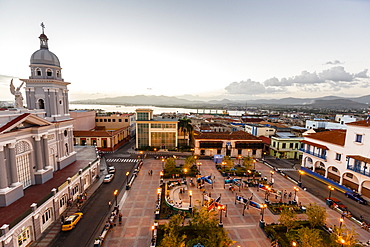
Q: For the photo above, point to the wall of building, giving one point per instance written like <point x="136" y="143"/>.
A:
<point x="83" y="120"/>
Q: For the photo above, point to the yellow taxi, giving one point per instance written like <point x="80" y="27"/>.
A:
<point x="71" y="221"/>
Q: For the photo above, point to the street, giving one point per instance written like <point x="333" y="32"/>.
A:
<point x="96" y="208"/>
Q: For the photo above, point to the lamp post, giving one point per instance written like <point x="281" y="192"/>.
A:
<point x="272" y="174"/>
<point x="264" y="155"/>
<point x="190" y="195"/>
<point x="294" y="243"/>
<point x="300" y="178"/>
<point x="340" y="222"/>
<point x="239" y="158"/>
<point x="220" y="209"/>
<point x="162" y="163"/>
<point x="159" y="193"/>
<point x="127" y="173"/>
<point x="342" y="241"/>
<point x="254" y="164"/>
<point x="267" y="193"/>
<point x="262" y="222"/>
<point x="115" y="193"/>
<point x="331" y="188"/>
<point x="141" y="154"/>
<point x="296" y="189"/>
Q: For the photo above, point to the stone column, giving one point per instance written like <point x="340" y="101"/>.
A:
<point x="46" y="151"/>
<point x="12" y="162"/>
<point x="3" y="173"/>
<point x="38" y="153"/>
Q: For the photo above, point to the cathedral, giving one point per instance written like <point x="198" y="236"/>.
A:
<point x="36" y="140"/>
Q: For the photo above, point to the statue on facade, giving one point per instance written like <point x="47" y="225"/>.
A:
<point x="18" y="95"/>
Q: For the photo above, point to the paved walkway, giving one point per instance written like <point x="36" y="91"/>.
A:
<point x="139" y="205"/>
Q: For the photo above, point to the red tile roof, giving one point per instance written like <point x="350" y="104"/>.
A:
<point x="337" y="137"/>
<point x="236" y="135"/>
<point x="265" y="139"/>
<point x="362" y="123"/>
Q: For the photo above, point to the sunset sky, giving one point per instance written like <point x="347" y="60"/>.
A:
<point x="237" y="49"/>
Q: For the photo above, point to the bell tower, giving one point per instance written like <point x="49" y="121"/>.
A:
<point x="45" y="88"/>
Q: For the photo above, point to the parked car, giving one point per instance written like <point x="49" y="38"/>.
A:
<point x="108" y="178"/>
<point x="71" y="221"/>
<point x="335" y="203"/>
<point x="356" y="196"/>
<point x="111" y="169"/>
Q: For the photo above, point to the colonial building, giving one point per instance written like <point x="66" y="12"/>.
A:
<point x="160" y="133"/>
<point x="227" y="143"/>
<point x="106" y="132"/>
<point x="341" y="155"/>
<point x="37" y="141"/>
<point x="285" y="145"/>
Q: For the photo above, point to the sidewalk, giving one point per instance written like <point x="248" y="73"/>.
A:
<point x="139" y="205"/>
<point x="52" y="231"/>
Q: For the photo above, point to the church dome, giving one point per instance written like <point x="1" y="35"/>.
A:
<point x="44" y="56"/>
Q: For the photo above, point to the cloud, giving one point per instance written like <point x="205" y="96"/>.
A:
<point x="336" y="74"/>
<point x="335" y="62"/>
<point x="248" y="87"/>
<point x="333" y="79"/>
<point x="362" y="74"/>
<point x="5" y="79"/>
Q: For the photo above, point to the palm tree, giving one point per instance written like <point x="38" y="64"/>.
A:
<point x="185" y="127"/>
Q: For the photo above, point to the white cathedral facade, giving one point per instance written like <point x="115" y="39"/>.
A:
<point x="37" y="140"/>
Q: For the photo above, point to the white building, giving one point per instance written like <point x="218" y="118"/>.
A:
<point x="341" y="155"/>
<point x="36" y="141"/>
<point x="341" y="123"/>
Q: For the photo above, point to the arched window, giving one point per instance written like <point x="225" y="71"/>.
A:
<point x="38" y="72"/>
<point x="41" y="104"/>
<point x="49" y="72"/>
<point x="22" y="152"/>
<point x="58" y="73"/>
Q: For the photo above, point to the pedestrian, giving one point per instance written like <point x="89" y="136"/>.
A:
<point x="120" y="218"/>
<point x="290" y="195"/>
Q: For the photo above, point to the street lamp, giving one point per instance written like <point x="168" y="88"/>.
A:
<point x="254" y="164"/>
<point x="267" y="193"/>
<point x="264" y="155"/>
<point x="190" y="195"/>
<point x="263" y="206"/>
<point x="159" y="193"/>
<point x="342" y="241"/>
<point x="162" y="163"/>
<point x="294" y="243"/>
<point x="331" y="188"/>
<point x="199" y="164"/>
<point x="272" y="174"/>
<point x="239" y="157"/>
<point x="220" y="209"/>
<point x="300" y="178"/>
<point x="127" y="173"/>
<point x="115" y="193"/>
<point x="296" y="189"/>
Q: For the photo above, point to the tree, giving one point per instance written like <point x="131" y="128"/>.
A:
<point x="189" y="161"/>
<point x="247" y="162"/>
<point x="170" y="165"/>
<point x="288" y="218"/>
<point x="229" y="163"/>
<point x="209" y="234"/>
<point x="316" y="215"/>
<point x="309" y="237"/>
<point x="349" y="236"/>
<point x="185" y="127"/>
<point x="172" y="235"/>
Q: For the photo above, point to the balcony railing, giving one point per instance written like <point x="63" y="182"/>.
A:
<point x="358" y="170"/>
<point x="312" y="153"/>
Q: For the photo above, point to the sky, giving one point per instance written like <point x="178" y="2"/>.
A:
<point x="237" y="49"/>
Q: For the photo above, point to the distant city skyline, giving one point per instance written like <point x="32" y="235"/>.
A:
<point x="202" y="49"/>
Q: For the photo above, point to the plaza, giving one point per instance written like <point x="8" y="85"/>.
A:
<point x="138" y="207"/>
